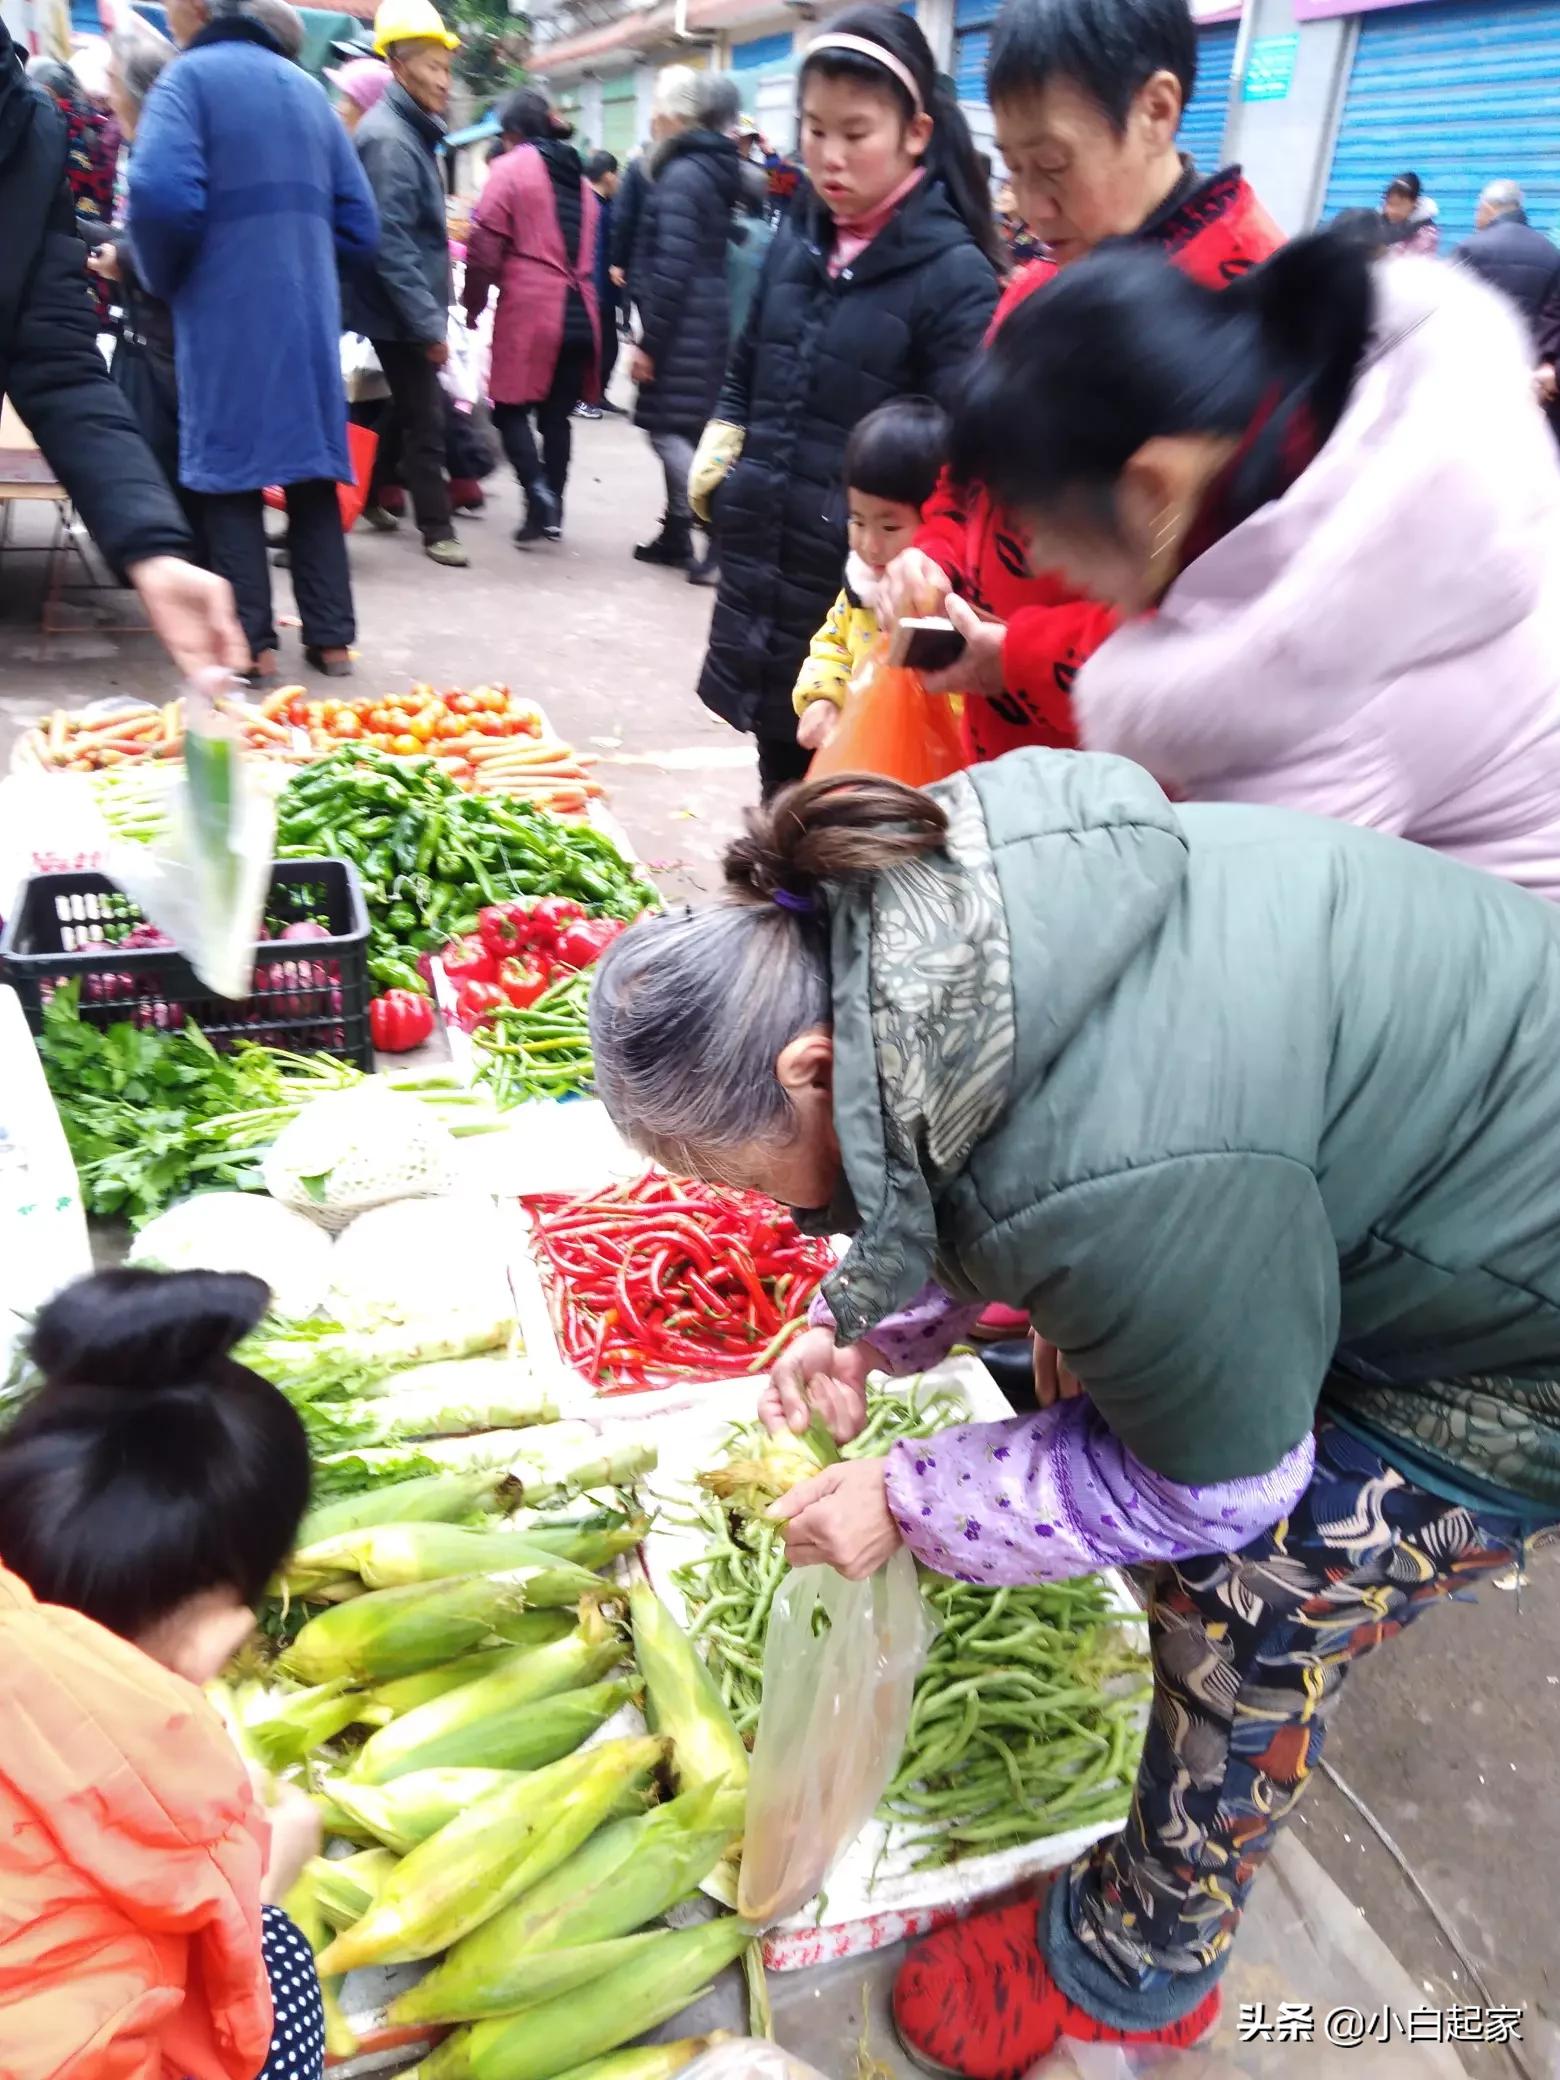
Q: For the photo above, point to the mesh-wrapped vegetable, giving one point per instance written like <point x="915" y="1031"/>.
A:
<point x="489" y="1854"/>
<point x="393" y="1632"/>
<point x="488" y="1723"/>
<point x="664" y="1975"/>
<point x="624" y="1877"/>
<point x="683" y="1701"/>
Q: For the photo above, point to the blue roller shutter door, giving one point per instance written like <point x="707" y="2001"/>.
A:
<point x="1460" y="94"/>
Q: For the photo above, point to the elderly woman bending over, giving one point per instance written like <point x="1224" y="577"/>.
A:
<point x="1253" y="1114"/>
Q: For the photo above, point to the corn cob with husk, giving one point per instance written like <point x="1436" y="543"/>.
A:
<point x="649" y="2061"/>
<point x="489" y="1854"/>
<point x="665" y="1974"/>
<point x="484" y="1724"/>
<point x="440" y="1498"/>
<point x="395" y="1632"/>
<point x="347" y="1886"/>
<point x="389" y="1556"/>
<point x="624" y="1877"/>
<point x="284" y="1724"/>
<point x="402" y="1814"/>
<point x="590" y="1541"/>
<point x="304" y="1910"/>
<point x="683" y="1701"/>
<point x="386" y="1701"/>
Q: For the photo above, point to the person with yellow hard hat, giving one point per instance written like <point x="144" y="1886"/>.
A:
<point x="403" y="303"/>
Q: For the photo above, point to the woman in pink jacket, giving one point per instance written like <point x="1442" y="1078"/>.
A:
<point x="533" y="235"/>
<point x="1325" y="498"/>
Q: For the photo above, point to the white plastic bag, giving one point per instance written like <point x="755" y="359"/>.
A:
<point x="748" y="2058"/>
<point x="205" y="884"/>
<point x="840" y="1665"/>
<point x="362" y="377"/>
<point x="461" y="375"/>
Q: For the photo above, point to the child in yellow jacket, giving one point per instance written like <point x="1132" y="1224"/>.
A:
<point x="891" y="468"/>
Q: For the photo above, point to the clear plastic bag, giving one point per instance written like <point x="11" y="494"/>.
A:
<point x="205" y="884"/>
<point x="748" y="2058"/>
<point x="891" y="725"/>
<point x="840" y="1666"/>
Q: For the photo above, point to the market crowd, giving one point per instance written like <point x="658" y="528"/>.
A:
<point x="1117" y="1044"/>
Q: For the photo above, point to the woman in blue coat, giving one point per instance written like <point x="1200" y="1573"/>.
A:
<point x="244" y="194"/>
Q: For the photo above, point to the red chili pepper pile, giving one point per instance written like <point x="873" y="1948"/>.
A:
<point x="664" y="1279"/>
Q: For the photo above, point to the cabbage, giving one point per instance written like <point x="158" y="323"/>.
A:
<point x="239" y="1231"/>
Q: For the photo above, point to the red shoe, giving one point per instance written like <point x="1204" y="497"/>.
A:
<point x="976" y="2001"/>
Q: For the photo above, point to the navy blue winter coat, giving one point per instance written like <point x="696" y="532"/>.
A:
<point x="244" y="190"/>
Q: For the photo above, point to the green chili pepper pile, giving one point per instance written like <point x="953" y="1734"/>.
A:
<point x="539" y="1051"/>
<point x="430" y="857"/>
<point x="1027" y="1717"/>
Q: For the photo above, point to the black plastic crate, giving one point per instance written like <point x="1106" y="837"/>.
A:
<point x="311" y="995"/>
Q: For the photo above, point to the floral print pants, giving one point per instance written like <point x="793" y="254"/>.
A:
<point x="1250" y="1652"/>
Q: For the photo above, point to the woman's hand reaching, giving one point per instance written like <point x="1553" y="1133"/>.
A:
<point x="814" y="1374"/>
<point x="296" y="1837"/>
<point x="912" y="585"/>
<point x="1053" y="1381"/>
<point x="841" y="1519"/>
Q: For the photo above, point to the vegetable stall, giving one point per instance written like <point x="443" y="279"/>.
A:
<point x="519" y="1655"/>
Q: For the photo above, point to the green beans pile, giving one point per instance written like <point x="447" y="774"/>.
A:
<point x="542" y="1051"/>
<point x="1028" y="1716"/>
<point x="729" y="1589"/>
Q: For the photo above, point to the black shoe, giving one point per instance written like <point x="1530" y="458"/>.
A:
<point x="613" y="411"/>
<point x="673" y="546"/>
<point x="706" y="569"/>
<point x="332" y="667"/>
<point x="543" y="516"/>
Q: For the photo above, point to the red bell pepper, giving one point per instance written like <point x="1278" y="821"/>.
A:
<point x="468" y="960"/>
<point x="503" y="928"/>
<point x="476" y="1001"/>
<point x="582" y="944"/>
<point x="551" y="917"/>
<point x="399" y="1020"/>
<point x="523" y="978"/>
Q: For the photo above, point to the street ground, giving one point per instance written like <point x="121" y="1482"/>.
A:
<point x="1446" y="1742"/>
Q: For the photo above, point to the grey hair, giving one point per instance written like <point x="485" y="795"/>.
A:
<point x="688" y="1013"/>
<point x="719" y="102"/>
<point x="677" y="91"/>
<point x="283" y="23"/>
<point x="1503" y="196"/>
<point x="140" y="54"/>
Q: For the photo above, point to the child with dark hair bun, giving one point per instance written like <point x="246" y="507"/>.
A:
<point x="148" y="1491"/>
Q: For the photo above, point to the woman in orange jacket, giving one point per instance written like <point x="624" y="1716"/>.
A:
<point x="147" y="1492"/>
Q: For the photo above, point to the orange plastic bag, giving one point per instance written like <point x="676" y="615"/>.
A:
<point x="362" y="447"/>
<point x="891" y="725"/>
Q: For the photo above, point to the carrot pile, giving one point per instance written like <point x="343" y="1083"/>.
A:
<point x="70" y="742"/>
<point x="665" y="1279"/>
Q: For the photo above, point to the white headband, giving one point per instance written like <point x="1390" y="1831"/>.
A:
<point x="865" y="48"/>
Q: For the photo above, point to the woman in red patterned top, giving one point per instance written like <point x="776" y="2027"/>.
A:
<point x="1087" y="97"/>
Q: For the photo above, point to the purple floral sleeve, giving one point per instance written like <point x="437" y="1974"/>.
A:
<point x="919" y="1335"/>
<point x="1047" y="1496"/>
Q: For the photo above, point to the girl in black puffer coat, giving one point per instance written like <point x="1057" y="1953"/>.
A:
<point x="879" y="285"/>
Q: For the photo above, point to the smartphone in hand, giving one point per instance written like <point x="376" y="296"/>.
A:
<point x="926" y="643"/>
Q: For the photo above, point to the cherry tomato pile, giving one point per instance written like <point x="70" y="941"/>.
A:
<point x="665" y="1279"/>
<point x="409" y="724"/>
<point x="518" y="951"/>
